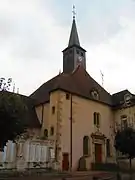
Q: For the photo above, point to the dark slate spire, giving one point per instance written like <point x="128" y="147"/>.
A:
<point x="74" y="39"/>
<point x="74" y="54"/>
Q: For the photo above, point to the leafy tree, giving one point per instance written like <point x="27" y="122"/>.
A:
<point x="12" y="115"/>
<point x="125" y="143"/>
<point x="5" y="85"/>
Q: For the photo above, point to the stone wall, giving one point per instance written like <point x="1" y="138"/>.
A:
<point x="27" y="154"/>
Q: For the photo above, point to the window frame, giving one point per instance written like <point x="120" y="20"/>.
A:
<point x="95" y="94"/>
<point x="86" y="146"/>
<point x="97" y="119"/>
<point x="124" y="121"/>
<point x="82" y="54"/>
<point x="77" y="51"/>
<point x="67" y="96"/>
<point x="51" y="131"/>
<point x="53" y="109"/>
<point x="46" y="133"/>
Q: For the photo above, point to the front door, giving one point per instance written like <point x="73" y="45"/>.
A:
<point x="65" y="162"/>
<point x="98" y="153"/>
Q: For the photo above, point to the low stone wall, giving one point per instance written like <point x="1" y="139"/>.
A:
<point x="27" y="155"/>
<point x="124" y="164"/>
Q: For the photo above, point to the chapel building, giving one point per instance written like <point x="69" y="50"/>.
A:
<point x="78" y="114"/>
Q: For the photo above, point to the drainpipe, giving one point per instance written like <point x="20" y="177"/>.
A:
<point x="71" y="121"/>
<point x="42" y="114"/>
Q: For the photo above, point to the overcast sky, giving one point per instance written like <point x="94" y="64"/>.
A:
<point x="34" y="32"/>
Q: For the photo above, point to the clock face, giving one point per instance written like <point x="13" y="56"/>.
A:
<point x="80" y="59"/>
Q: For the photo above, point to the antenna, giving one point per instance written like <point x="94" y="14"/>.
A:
<point x="102" y="76"/>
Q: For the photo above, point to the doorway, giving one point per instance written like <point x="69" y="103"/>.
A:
<point x="98" y="153"/>
<point x="65" y="162"/>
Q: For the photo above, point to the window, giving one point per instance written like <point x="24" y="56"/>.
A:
<point x="86" y="146"/>
<point x="81" y="53"/>
<point x="127" y="99"/>
<point x="124" y="123"/>
<point x="45" y="133"/>
<point x="53" y="110"/>
<point x="70" y="51"/>
<point x="95" y="95"/>
<point x="52" y="131"/>
<point x="96" y="117"/>
<point x="108" y="147"/>
<point x="67" y="96"/>
<point x="77" y="51"/>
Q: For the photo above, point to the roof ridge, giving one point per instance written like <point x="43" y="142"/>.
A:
<point x="79" y="65"/>
<point x="121" y="92"/>
<point x="47" y="82"/>
<point x="99" y="84"/>
<point x="78" y="81"/>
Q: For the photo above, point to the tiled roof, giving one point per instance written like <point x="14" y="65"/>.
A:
<point x="119" y="101"/>
<point x="78" y="82"/>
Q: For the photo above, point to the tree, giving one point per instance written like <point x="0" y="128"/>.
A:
<point x="12" y="114"/>
<point x="125" y="143"/>
<point x="5" y="85"/>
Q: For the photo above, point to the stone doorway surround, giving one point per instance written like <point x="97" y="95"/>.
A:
<point x="98" y="138"/>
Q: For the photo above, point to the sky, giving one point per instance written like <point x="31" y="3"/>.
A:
<point x="33" y="34"/>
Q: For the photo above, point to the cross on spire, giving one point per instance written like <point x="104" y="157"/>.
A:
<point x="73" y="11"/>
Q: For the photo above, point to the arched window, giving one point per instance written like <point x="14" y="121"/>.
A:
<point x="86" y="145"/>
<point x="127" y="99"/>
<point x="53" y="109"/>
<point x="124" y="122"/>
<point x="45" y="133"/>
<point x="94" y="94"/>
<point x="97" y="119"/>
<point x="52" y="131"/>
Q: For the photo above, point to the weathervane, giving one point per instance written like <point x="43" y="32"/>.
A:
<point x="73" y="11"/>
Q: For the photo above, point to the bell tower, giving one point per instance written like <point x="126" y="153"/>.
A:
<point x="74" y="54"/>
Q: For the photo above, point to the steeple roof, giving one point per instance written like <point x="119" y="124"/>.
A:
<point x="74" y="39"/>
